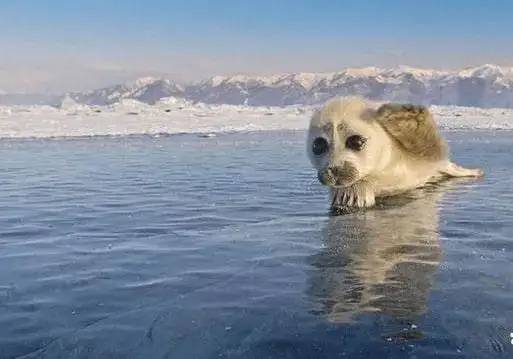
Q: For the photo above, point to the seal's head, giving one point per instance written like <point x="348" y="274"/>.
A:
<point x="345" y="143"/>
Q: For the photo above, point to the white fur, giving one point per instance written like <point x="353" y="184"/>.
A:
<point x="384" y="167"/>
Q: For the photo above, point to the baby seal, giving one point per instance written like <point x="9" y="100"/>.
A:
<point x="363" y="153"/>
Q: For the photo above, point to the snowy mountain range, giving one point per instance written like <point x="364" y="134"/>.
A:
<point x="487" y="86"/>
<point x="147" y="89"/>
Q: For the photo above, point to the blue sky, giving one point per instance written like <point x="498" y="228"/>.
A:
<point x="73" y="45"/>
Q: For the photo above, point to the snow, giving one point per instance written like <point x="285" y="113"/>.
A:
<point x="142" y="81"/>
<point x="487" y="71"/>
<point x="168" y="116"/>
<point x="175" y="115"/>
<point x="362" y="71"/>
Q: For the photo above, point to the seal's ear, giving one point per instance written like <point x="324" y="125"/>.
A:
<point x="414" y="128"/>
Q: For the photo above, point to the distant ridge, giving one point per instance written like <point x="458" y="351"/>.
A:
<point x="145" y="89"/>
<point x="484" y="86"/>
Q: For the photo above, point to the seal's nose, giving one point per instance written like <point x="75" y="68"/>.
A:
<point x="337" y="170"/>
<point x="337" y="175"/>
<point x="323" y="175"/>
<point x="327" y="176"/>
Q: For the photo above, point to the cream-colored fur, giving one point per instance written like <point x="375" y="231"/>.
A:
<point x="403" y="150"/>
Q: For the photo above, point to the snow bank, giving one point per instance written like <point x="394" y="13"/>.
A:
<point x="169" y="116"/>
<point x="172" y="115"/>
<point x="471" y="118"/>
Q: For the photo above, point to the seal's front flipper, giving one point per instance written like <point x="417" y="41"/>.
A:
<point x="358" y="195"/>
<point x="453" y="170"/>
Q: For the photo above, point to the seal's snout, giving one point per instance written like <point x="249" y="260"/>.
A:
<point x="326" y="177"/>
<point x="337" y="175"/>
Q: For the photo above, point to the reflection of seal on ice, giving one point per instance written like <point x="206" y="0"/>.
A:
<point x="379" y="261"/>
<point x="363" y="153"/>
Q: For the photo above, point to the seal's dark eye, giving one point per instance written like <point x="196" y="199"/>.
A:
<point x="320" y="146"/>
<point x="355" y="142"/>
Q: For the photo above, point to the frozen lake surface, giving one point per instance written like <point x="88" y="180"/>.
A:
<point x="222" y="247"/>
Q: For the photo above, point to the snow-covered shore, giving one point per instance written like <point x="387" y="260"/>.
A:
<point x="172" y="116"/>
